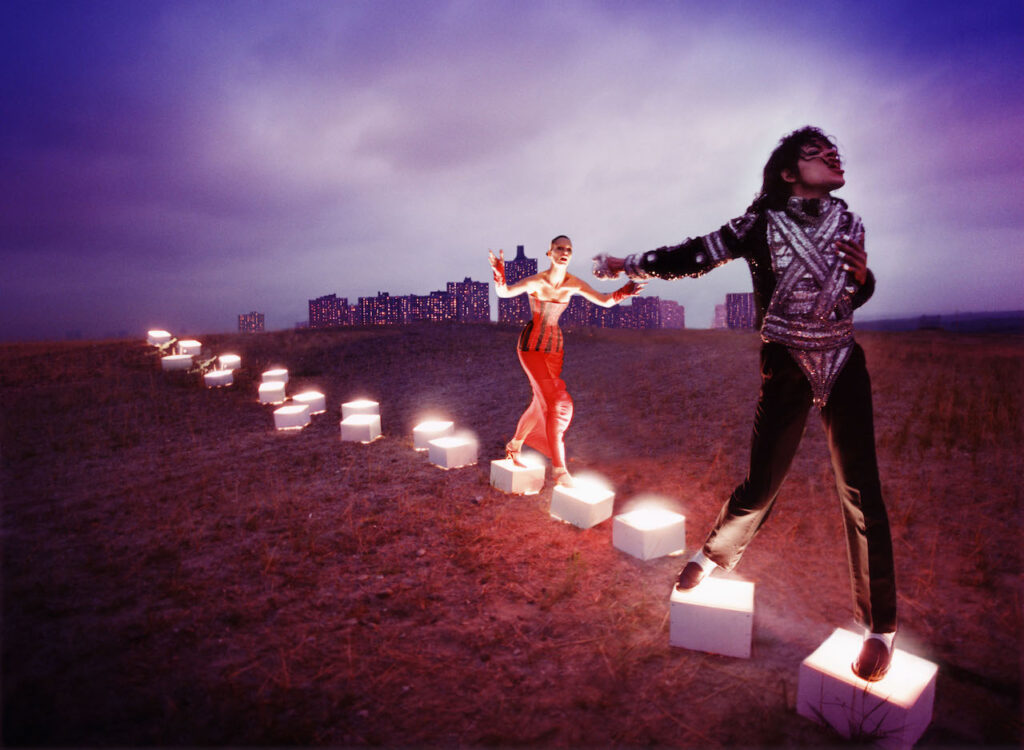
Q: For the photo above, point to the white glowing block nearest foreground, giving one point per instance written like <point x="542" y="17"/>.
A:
<point x="158" y="338"/>
<point x="291" y="417"/>
<point x="363" y="406"/>
<point x="279" y="375"/>
<point x="361" y="428"/>
<point x="271" y="393"/>
<point x="518" y="480"/>
<point x="315" y="400"/>
<point x="586" y="504"/>
<point x="176" y="362"/>
<point x="648" y="533"/>
<point x="190" y="346"/>
<point x="892" y="712"/>
<point x="716" y="616"/>
<point x="229" y="361"/>
<point x="452" y="452"/>
<point x="218" y="378"/>
<point x="424" y="432"/>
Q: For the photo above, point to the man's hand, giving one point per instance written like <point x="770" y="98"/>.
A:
<point x="608" y="267"/>
<point x="854" y="257"/>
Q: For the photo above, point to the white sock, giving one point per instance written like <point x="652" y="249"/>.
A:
<point x="706" y="563"/>
<point x="886" y="638"/>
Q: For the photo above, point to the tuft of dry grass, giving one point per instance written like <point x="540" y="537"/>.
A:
<point x="175" y="572"/>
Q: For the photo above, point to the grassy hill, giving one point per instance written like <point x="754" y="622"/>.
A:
<point x="177" y="572"/>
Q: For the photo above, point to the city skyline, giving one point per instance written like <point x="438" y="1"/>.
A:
<point x="171" y="163"/>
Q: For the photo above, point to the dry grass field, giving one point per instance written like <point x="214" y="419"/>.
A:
<point x="175" y="572"/>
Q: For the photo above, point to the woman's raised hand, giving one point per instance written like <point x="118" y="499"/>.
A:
<point x="630" y="289"/>
<point x="497" y="266"/>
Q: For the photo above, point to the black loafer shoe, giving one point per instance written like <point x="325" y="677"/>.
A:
<point x="690" y="576"/>
<point x="873" y="661"/>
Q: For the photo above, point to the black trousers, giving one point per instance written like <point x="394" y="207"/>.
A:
<point x="779" y="422"/>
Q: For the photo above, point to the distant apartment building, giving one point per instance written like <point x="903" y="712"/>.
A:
<point x="384" y="310"/>
<point x="719" y="321"/>
<point x="472" y="300"/>
<point x="250" y="322"/>
<point x="436" y="307"/>
<point x="329" y="311"/>
<point x="739" y="310"/>
<point x="516" y="309"/>
<point x="673" y="315"/>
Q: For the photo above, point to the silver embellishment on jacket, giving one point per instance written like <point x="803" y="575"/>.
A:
<point x="811" y="310"/>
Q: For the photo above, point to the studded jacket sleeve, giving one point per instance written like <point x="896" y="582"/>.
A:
<point x="696" y="256"/>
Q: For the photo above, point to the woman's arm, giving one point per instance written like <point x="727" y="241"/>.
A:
<point x="529" y="284"/>
<point x="610" y="299"/>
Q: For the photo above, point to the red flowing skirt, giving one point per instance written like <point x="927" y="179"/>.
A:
<point x="550" y="411"/>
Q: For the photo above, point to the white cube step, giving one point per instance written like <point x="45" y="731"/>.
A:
<point x="218" y="378"/>
<point x="272" y="393"/>
<point x="649" y="532"/>
<point x="517" y="480"/>
<point x="716" y="616"/>
<point x="315" y="400"/>
<point x="291" y="417"/>
<point x="190" y="346"/>
<point x="276" y="375"/>
<point x="586" y="504"/>
<point x="362" y="406"/>
<point x="892" y="712"/>
<point x="176" y="362"/>
<point x="361" y="428"/>
<point x="452" y="451"/>
<point x="229" y="361"/>
<point x="424" y="432"/>
<point x="158" y="338"/>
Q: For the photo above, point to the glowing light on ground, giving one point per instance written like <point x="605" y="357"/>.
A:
<point x="190" y="346"/>
<point x="277" y="375"/>
<point x="315" y="400"/>
<point x="158" y="338"/>
<point x="272" y="392"/>
<point x="359" y="406"/>
<point x="586" y="504"/>
<point x="453" y="451"/>
<point x="218" y="378"/>
<point x="716" y="616"/>
<point x="649" y="531"/>
<point x="894" y="711"/>
<point x="517" y="480"/>
<point x="361" y="428"/>
<point x="176" y="362"/>
<point x="291" y="417"/>
<point x="429" y="430"/>
<point x="229" y="361"/>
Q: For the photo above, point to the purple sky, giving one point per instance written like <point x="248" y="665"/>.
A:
<point x="173" y="164"/>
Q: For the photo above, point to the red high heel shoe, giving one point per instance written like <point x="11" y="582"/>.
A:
<point x="513" y="454"/>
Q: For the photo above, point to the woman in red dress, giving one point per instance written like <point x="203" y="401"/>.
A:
<point x="540" y="351"/>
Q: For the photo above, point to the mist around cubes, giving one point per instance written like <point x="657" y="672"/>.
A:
<point x="176" y="571"/>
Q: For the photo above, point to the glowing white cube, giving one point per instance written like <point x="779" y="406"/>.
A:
<point x="218" y="378"/>
<point x="158" y="338"/>
<point x="893" y="712"/>
<point x="176" y="362"/>
<point x="229" y="361"/>
<point x="452" y="451"/>
<point x="363" y="406"/>
<point x="517" y="480"/>
<point x="361" y="428"/>
<point x="279" y="375"/>
<point x="190" y="346"/>
<point x="716" y="616"/>
<point x="584" y="505"/>
<point x="291" y="417"/>
<point x="272" y="393"/>
<point x="649" y="532"/>
<point x="315" y="400"/>
<point x="424" y="432"/>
